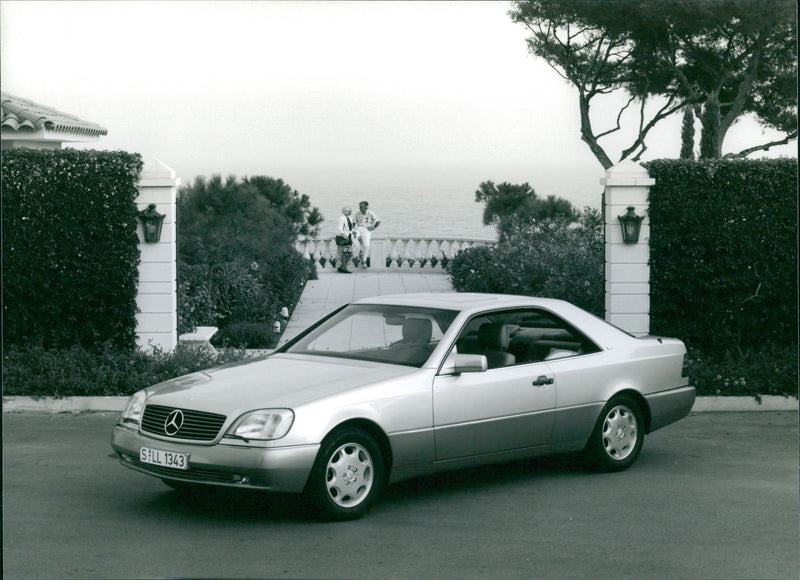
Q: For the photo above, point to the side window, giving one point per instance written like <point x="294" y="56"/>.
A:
<point x="539" y="335"/>
<point x="522" y="336"/>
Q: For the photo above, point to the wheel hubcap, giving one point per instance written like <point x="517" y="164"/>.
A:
<point x="620" y="432"/>
<point x="349" y="475"/>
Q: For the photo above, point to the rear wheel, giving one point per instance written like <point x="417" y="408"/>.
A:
<point x="347" y="475"/>
<point x="618" y="435"/>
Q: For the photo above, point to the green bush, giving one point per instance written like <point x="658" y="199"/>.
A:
<point x="104" y="371"/>
<point x="554" y="259"/>
<point x="70" y="248"/>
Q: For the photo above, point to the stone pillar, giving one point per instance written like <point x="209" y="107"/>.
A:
<point x="627" y="266"/>
<point x="157" y="299"/>
<point x="377" y="254"/>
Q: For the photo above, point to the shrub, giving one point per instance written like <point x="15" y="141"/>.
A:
<point x="247" y="335"/>
<point x="70" y="248"/>
<point x="232" y="293"/>
<point x="769" y="370"/>
<point x="103" y="371"/>
<point x="553" y="260"/>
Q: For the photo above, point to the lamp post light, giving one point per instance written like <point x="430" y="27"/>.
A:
<point x="151" y="224"/>
<point x="631" y="226"/>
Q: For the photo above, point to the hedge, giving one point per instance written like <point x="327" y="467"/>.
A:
<point x="105" y="370"/>
<point x="70" y="248"/>
<point x="724" y="253"/>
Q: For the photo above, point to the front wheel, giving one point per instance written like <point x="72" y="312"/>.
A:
<point x="347" y="475"/>
<point x="618" y="435"/>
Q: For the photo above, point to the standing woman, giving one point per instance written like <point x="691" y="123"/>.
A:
<point x="345" y="239"/>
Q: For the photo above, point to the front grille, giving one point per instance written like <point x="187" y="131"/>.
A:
<point x="197" y="425"/>
<point x="191" y="473"/>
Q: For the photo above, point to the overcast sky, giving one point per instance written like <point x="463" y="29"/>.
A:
<point x="248" y="87"/>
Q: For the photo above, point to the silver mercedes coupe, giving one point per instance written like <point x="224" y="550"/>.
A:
<point x="393" y="387"/>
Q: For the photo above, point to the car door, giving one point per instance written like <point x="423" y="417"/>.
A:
<point x="491" y="411"/>
<point x="509" y="406"/>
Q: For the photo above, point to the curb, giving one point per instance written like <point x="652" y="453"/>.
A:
<point x="763" y="403"/>
<point x="63" y="404"/>
<point x="117" y="404"/>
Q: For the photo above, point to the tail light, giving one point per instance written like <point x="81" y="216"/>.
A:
<point x="685" y="369"/>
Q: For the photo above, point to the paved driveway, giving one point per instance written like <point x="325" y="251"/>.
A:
<point x="713" y="496"/>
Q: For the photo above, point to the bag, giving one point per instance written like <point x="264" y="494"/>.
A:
<point x="342" y="240"/>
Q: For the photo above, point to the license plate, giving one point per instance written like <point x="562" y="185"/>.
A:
<point x="164" y="458"/>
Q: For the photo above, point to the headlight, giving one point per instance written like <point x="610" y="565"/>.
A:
<point x="133" y="410"/>
<point x="264" y="424"/>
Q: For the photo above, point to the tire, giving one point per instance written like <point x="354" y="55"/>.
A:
<point x="347" y="475"/>
<point x="618" y="435"/>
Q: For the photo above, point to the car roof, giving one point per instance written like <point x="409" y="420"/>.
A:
<point x="461" y="301"/>
<point x="474" y="303"/>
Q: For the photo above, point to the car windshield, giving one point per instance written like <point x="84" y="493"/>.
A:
<point x="405" y="335"/>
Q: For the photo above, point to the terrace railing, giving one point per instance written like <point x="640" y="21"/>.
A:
<point x="393" y="252"/>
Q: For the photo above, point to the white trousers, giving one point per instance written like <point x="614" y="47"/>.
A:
<point x="363" y="237"/>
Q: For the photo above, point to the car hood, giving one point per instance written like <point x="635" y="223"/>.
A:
<point x="281" y="380"/>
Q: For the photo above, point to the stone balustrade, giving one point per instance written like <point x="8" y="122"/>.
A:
<point x="393" y="252"/>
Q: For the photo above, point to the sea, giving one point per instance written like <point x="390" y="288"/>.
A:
<point x="429" y="202"/>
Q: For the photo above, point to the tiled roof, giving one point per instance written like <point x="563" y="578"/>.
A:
<point x="22" y="115"/>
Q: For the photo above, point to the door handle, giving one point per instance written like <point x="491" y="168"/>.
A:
<point x="542" y="381"/>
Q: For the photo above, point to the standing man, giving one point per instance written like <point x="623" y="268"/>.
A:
<point x="366" y="222"/>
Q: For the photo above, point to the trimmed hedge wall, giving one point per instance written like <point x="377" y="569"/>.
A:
<point x="724" y="253"/>
<point x="105" y="370"/>
<point x="70" y="248"/>
<point x="724" y="271"/>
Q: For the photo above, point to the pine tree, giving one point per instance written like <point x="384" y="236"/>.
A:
<point x="687" y="133"/>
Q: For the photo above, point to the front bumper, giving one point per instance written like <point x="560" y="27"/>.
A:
<point x="669" y="406"/>
<point x="284" y="469"/>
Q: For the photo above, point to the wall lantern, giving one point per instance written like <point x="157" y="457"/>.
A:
<point x="631" y="226"/>
<point x="151" y="223"/>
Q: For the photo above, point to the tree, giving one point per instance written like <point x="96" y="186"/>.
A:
<point x="304" y="218"/>
<point x="509" y="207"/>
<point x="732" y="56"/>
<point x="687" y="133"/>
<point x="588" y="44"/>
<point x="221" y="221"/>
<point x="710" y="145"/>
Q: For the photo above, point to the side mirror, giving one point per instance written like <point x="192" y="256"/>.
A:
<point x="464" y="363"/>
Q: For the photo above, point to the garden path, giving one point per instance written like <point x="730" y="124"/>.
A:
<point x="331" y="290"/>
